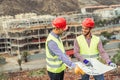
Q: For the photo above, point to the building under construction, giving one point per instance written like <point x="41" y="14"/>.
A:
<point x="29" y="33"/>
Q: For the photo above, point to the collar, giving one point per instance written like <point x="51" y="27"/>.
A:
<point x="89" y="38"/>
<point x="55" y="35"/>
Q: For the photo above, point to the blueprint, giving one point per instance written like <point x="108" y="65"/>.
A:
<point x="97" y="69"/>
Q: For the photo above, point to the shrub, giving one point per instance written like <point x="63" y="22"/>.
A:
<point x="116" y="58"/>
<point x="39" y="72"/>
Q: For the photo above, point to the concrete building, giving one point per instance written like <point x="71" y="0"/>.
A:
<point x="117" y="11"/>
<point x="106" y="13"/>
<point x="25" y="15"/>
<point x="4" y="40"/>
<point x="77" y="18"/>
<point x="115" y="37"/>
<point x="2" y="19"/>
<point x="90" y="9"/>
<point x="114" y="6"/>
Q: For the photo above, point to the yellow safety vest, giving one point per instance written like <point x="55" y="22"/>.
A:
<point x="88" y="51"/>
<point x="54" y="64"/>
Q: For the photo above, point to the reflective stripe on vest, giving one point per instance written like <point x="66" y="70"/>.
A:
<point x="90" y="56"/>
<point x="88" y="51"/>
<point x="51" y="59"/>
<point x="54" y="64"/>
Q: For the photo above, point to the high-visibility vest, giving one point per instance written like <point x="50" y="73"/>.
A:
<point x="88" y="51"/>
<point x="54" y="64"/>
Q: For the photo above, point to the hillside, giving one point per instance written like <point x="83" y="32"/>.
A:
<point x="12" y="7"/>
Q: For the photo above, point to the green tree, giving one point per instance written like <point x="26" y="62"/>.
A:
<point x="106" y="34"/>
<point x="3" y="76"/>
<point x="104" y="42"/>
<point x="25" y="56"/>
<point x="19" y="63"/>
<point x="116" y="58"/>
<point x="39" y="72"/>
<point x="2" y="60"/>
<point x="119" y="46"/>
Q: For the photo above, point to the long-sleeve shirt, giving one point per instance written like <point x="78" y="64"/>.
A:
<point x="54" y="50"/>
<point x="101" y="50"/>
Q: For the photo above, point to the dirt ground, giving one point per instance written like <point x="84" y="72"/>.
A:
<point x="41" y="74"/>
<point x="25" y="76"/>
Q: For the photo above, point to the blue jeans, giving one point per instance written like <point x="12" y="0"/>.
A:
<point x="96" y="77"/>
<point x="56" y="76"/>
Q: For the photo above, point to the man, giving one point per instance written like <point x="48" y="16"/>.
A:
<point x="90" y="46"/>
<point x="55" y="52"/>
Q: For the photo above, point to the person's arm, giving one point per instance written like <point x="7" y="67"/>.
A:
<point x="77" y="51"/>
<point x="103" y="54"/>
<point x="54" y="49"/>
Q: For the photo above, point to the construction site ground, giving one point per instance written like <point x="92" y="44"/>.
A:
<point x="34" y="70"/>
<point x="69" y="75"/>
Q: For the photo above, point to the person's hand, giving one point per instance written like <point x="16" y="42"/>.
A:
<point x="78" y="71"/>
<point x="87" y="63"/>
<point x="112" y="64"/>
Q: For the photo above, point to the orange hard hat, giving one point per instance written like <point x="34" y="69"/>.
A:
<point x="88" y="22"/>
<point x="59" y="22"/>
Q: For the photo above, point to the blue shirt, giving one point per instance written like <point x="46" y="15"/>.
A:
<point x="54" y="50"/>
